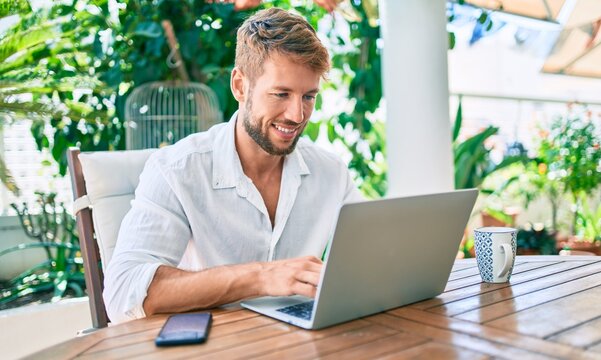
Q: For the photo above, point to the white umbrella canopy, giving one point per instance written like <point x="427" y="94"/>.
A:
<point x="577" y="51"/>
<point x="537" y="9"/>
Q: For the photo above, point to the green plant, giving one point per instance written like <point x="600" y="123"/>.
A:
<point x="572" y="159"/>
<point x="54" y="230"/>
<point x="499" y="215"/>
<point x="472" y="156"/>
<point x="466" y="247"/>
<point x="588" y="221"/>
<point x="48" y="75"/>
<point x="536" y="237"/>
<point x="88" y="55"/>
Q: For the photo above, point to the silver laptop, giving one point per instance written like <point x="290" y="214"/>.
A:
<point x="384" y="254"/>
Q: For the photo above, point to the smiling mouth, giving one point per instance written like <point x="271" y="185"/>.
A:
<point x="284" y="130"/>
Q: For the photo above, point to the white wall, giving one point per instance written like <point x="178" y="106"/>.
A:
<point x="11" y="234"/>
<point x="29" y="329"/>
<point x="417" y="97"/>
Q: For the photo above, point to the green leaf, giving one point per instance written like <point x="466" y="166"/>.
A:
<point x="14" y="7"/>
<point x="318" y="101"/>
<point x="366" y="124"/>
<point x="458" y="121"/>
<point x="489" y="26"/>
<point x="331" y="131"/>
<point x="312" y="130"/>
<point x="482" y="18"/>
<point x="148" y="29"/>
<point x="452" y="40"/>
<point x="16" y="41"/>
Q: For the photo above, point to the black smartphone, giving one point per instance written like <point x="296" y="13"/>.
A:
<point x="182" y="329"/>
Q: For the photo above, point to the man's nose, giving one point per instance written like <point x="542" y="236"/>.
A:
<point x="294" y="111"/>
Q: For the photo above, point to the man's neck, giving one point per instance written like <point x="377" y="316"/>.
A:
<point x="256" y="163"/>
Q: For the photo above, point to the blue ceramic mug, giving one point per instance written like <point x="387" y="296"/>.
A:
<point x="495" y="252"/>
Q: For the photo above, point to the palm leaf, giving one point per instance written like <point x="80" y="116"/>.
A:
<point x="7" y="179"/>
<point x="15" y="41"/>
<point x="27" y="110"/>
<point x="14" y="7"/>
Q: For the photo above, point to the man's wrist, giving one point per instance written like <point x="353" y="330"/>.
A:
<point x="252" y="280"/>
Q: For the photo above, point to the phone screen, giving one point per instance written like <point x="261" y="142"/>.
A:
<point x="184" y="329"/>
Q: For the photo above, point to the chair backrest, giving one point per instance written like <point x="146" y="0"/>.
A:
<point x="104" y="183"/>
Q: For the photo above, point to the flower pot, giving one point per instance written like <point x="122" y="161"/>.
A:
<point x="522" y="251"/>
<point x="489" y="220"/>
<point x="576" y="244"/>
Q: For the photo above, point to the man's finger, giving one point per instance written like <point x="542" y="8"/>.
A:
<point x="308" y="277"/>
<point x="306" y="265"/>
<point x="304" y="289"/>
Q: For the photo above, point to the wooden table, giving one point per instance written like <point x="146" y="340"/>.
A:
<point x="550" y="309"/>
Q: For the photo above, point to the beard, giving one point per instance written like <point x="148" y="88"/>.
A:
<point x="261" y="137"/>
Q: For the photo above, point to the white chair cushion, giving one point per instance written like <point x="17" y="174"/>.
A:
<point x="111" y="180"/>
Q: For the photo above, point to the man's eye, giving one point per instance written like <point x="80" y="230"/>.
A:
<point x="309" y="97"/>
<point x="281" y="95"/>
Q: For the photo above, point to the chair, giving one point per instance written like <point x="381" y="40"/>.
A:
<point x="103" y="187"/>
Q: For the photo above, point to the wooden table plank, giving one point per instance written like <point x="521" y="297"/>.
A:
<point x="529" y="272"/>
<point x="520" y="303"/>
<point x="331" y="344"/>
<point x="375" y="349"/>
<point x="518" y="271"/>
<point x="458" y="266"/>
<point x="74" y="347"/>
<point x="216" y="331"/>
<point x="470" y="342"/>
<point x="573" y="269"/>
<point x="464" y="273"/>
<point x="542" y="320"/>
<point x="436" y="351"/>
<point x="148" y="349"/>
<point x="595" y="348"/>
<point x="584" y="336"/>
<point x="488" y="333"/>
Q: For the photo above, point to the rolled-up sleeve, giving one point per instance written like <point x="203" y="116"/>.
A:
<point x="154" y="232"/>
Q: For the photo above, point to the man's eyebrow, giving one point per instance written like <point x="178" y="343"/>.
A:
<point x="286" y="89"/>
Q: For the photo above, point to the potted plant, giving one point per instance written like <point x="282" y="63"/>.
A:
<point x="473" y="165"/>
<point x="535" y="239"/>
<point x="587" y="232"/>
<point x="572" y="153"/>
<point x="61" y="273"/>
<point x="574" y="147"/>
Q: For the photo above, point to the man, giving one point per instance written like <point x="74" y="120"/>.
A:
<point x="251" y="202"/>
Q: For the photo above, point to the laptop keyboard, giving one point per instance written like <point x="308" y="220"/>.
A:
<point x="302" y="310"/>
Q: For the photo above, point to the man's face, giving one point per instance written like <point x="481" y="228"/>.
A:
<point x="279" y="104"/>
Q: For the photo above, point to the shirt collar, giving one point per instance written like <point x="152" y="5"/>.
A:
<point x="227" y="169"/>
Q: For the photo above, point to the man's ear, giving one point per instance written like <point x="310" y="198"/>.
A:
<point x="237" y="84"/>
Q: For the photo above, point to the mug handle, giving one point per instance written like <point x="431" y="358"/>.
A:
<point x="508" y="259"/>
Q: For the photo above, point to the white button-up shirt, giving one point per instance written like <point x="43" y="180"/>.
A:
<point x="195" y="208"/>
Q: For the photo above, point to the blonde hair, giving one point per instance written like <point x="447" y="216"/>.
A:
<point x="276" y="31"/>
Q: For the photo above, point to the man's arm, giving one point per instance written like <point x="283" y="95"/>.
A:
<point x="176" y="290"/>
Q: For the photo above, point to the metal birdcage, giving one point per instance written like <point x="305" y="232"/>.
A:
<point x="163" y="112"/>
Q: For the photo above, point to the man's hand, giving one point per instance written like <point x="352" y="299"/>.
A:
<point x="298" y="276"/>
<point x="176" y="290"/>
